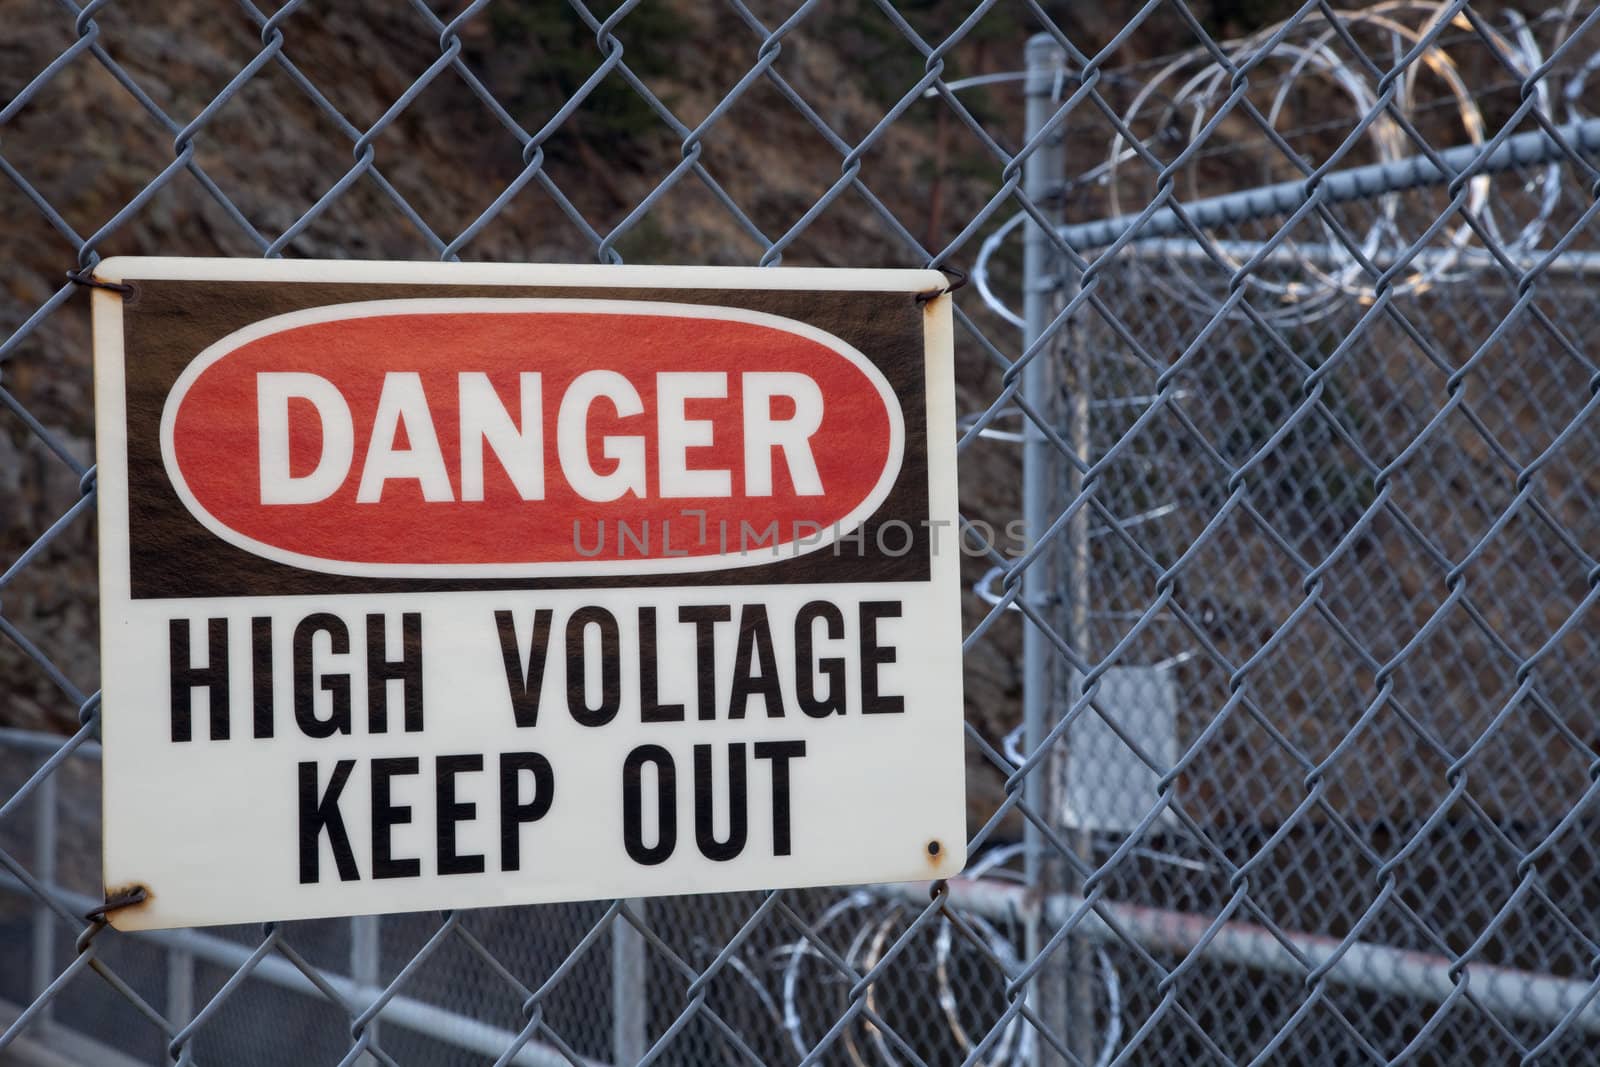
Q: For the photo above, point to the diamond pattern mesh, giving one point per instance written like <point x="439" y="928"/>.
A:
<point x="1278" y="482"/>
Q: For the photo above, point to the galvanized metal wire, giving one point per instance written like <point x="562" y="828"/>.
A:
<point x="1278" y="503"/>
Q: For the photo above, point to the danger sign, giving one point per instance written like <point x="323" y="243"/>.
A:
<point x="431" y="586"/>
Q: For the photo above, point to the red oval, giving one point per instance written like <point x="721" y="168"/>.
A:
<point x="211" y="437"/>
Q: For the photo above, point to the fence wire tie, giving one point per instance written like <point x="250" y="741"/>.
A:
<point x="122" y="898"/>
<point x="84" y="276"/>
<point x="957" y="276"/>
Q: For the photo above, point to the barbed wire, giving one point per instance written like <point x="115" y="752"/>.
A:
<point x="1178" y="98"/>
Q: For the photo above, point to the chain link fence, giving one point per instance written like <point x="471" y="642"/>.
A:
<point x="1279" y="471"/>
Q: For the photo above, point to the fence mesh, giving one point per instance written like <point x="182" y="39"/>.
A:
<point x="1280" y="371"/>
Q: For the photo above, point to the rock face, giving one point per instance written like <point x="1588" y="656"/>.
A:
<point x="446" y="170"/>
<point x="281" y="163"/>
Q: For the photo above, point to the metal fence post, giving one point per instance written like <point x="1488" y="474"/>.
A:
<point x="1041" y="478"/>
<point x="180" y="986"/>
<point x="629" y="990"/>
<point x="366" y="964"/>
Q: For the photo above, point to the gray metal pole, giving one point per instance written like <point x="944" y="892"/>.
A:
<point x="1547" y="999"/>
<point x="1041" y="482"/>
<point x="1354" y="183"/>
<point x="366" y="963"/>
<point x="629" y="991"/>
<point x="180" y="987"/>
<point x="1453" y="261"/>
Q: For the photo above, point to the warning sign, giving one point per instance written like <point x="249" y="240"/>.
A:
<point x="442" y="585"/>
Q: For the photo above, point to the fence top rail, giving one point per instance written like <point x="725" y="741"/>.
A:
<point x="1354" y="183"/>
<point x="1295" y="253"/>
<point x="43" y="743"/>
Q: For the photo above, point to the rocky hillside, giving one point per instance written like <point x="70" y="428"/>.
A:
<point x="277" y="157"/>
<point x="84" y="143"/>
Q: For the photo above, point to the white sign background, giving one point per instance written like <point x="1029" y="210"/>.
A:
<point x="212" y="828"/>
